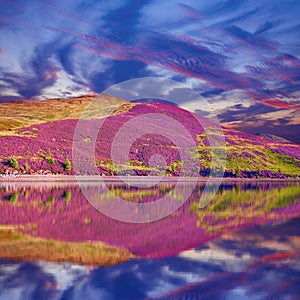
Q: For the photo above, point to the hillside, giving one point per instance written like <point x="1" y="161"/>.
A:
<point x="40" y="146"/>
<point x="16" y="115"/>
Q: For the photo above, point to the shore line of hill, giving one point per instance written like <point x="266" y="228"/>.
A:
<point x="128" y="179"/>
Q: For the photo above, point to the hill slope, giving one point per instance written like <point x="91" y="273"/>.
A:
<point x="47" y="147"/>
<point x="16" y="115"/>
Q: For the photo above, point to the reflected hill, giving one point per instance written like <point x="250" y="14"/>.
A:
<point x="61" y="213"/>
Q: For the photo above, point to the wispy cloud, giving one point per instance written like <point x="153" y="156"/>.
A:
<point x="191" y="11"/>
<point x="228" y="45"/>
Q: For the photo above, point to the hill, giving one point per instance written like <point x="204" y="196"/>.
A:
<point x="46" y="147"/>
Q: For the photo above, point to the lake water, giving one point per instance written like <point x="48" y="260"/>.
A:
<point x="243" y="244"/>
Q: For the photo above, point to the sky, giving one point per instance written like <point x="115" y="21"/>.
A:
<point x="242" y="57"/>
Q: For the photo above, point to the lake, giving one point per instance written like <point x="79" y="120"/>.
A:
<point x="239" y="240"/>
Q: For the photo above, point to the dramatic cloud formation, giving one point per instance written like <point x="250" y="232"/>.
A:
<point x="51" y="49"/>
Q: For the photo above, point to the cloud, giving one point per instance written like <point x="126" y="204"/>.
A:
<point x="223" y="46"/>
<point x="284" y="67"/>
<point x="259" y="118"/>
<point x="249" y="39"/>
<point x="266" y="26"/>
<point x="38" y="73"/>
<point x="26" y="281"/>
<point x="171" y="53"/>
<point x="190" y="11"/>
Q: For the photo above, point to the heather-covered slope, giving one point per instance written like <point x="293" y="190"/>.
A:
<point x="47" y="148"/>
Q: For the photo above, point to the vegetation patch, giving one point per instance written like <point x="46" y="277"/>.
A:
<point x="18" y="246"/>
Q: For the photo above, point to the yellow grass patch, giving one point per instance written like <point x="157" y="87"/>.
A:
<point x="17" y="246"/>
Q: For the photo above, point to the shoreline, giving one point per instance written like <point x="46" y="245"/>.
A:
<point x="147" y="179"/>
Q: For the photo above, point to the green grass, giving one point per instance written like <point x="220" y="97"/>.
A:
<point x="282" y="163"/>
<point x="113" y="167"/>
<point x="14" y="198"/>
<point x="50" y="160"/>
<point x="13" y="162"/>
<point x="68" y="196"/>
<point x="68" y="166"/>
<point x="274" y="162"/>
<point x="235" y="206"/>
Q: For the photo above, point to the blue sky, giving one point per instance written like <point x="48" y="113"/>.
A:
<point x="241" y="56"/>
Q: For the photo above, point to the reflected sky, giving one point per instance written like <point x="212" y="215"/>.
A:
<point x="254" y="263"/>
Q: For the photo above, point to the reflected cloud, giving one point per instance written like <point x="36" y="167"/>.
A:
<point x="239" y="265"/>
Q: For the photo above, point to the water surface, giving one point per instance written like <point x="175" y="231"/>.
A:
<point x="245" y="243"/>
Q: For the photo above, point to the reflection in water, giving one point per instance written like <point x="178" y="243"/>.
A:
<point x="60" y="212"/>
<point x="255" y="263"/>
<point x="193" y="253"/>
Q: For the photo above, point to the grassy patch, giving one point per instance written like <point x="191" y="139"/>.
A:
<point x="283" y="163"/>
<point x="16" y="246"/>
<point x="24" y="114"/>
<point x="232" y="207"/>
<point x="13" y="163"/>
